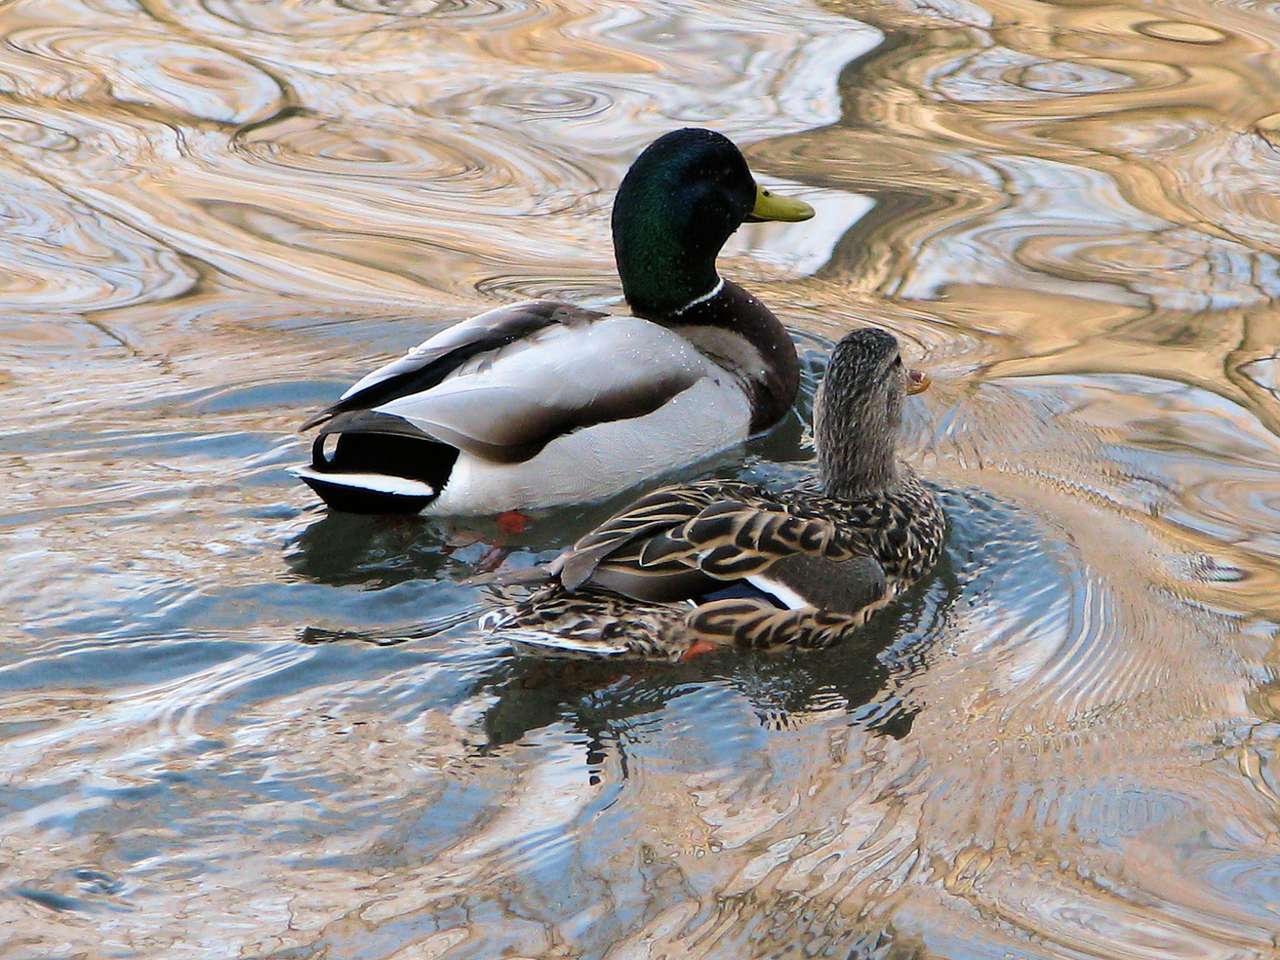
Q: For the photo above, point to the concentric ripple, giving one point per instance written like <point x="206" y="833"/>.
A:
<point x="63" y="256"/>
<point x="203" y="82"/>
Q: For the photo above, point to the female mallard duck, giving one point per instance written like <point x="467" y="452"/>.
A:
<point x="543" y="403"/>
<point x="720" y="562"/>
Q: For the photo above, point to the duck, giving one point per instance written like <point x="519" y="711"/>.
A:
<point x="692" y="567"/>
<point x="544" y="403"/>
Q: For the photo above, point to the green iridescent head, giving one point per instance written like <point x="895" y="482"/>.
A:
<point x="681" y="200"/>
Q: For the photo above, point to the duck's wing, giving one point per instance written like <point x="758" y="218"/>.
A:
<point x="427" y="364"/>
<point x="761" y="626"/>
<point x="620" y="538"/>
<point x="689" y="541"/>
<point x="504" y="388"/>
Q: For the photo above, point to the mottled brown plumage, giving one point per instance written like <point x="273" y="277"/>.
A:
<point x="724" y="562"/>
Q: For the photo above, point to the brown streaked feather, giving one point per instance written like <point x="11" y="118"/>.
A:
<point x="551" y="622"/>
<point x="576" y="568"/>
<point x="728" y="562"/>
<point x="663" y="508"/>
<point x="660" y="551"/>
<point x="745" y="623"/>
<point x="601" y="624"/>
<point x="725" y="530"/>
<point x="635" y="574"/>
<point x="649" y="516"/>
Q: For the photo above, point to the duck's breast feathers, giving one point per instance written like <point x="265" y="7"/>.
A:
<point x="436" y="358"/>
<point x="741" y="334"/>
<point x="505" y="403"/>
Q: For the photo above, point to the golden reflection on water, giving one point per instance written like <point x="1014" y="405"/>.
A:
<point x="217" y="212"/>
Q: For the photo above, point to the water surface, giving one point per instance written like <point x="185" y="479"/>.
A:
<point x="234" y="725"/>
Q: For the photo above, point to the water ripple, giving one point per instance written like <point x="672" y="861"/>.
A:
<point x="63" y="256"/>
<point x="198" y="80"/>
<point x="234" y="723"/>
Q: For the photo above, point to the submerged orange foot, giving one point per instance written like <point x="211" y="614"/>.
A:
<point x="509" y="524"/>
<point x="697" y="649"/>
<point x="512" y="522"/>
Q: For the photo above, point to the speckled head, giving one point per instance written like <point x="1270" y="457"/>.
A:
<point x="858" y="413"/>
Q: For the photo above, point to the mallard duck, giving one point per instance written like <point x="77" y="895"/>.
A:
<point x="697" y="565"/>
<point x="544" y="403"/>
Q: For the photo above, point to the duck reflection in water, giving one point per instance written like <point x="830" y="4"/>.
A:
<point x="350" y="549"/>
<point x="863" y="680"/>
<point x="867" y="681"/>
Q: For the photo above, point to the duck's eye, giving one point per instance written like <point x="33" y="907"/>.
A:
<point x="897" y="361"/>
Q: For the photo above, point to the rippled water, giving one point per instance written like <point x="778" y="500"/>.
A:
<point x="231" y="725"/>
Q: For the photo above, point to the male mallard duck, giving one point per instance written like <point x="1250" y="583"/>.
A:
<point x="721" y="562"/>
<point x="544" y="403"/>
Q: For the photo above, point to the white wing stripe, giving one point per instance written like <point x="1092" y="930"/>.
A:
<point x="783" y="594"/>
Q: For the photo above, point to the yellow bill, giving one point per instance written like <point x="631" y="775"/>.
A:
<point x="771" y="206"/>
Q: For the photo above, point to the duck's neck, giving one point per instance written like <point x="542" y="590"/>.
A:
<point x="662" y="274"/>
<point x="743" y="336"/>
<point x="857" y="451"/>
<point x="842" y="483"/>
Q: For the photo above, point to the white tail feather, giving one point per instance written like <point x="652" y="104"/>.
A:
<point x="377" y="482"/>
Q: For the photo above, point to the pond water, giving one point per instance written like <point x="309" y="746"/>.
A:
<point x="234" y="725"/>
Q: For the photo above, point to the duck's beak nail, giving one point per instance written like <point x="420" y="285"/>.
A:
<point x="917" y="381"/>
<point x="771" y="206"/>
